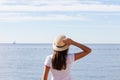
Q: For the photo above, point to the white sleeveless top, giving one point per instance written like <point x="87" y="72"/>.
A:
<point x="60" y="74"/>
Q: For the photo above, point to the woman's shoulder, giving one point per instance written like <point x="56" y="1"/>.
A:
<point x="49" y="56"/>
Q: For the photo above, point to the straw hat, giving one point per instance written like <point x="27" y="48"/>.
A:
<point x="58" y="43"/>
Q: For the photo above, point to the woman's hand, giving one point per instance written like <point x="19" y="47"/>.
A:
<point x="68" y="41"/>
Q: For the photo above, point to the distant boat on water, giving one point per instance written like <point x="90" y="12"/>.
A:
<point x="14" y="42"/>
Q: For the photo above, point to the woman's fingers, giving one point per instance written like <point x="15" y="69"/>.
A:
<point x="67" y="41"/>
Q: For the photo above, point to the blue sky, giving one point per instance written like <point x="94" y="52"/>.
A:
<point x="39" y="21"/>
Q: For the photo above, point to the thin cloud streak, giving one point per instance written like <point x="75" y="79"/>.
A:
<point x="50" y="2"/>
<point x="17" y="17"/>
<point x="57" y="5"/>
<point x="82" y="7"/>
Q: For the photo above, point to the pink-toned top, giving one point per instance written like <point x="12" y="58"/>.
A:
<point x="60" y="74"/>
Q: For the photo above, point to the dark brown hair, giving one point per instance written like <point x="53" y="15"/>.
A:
<point x="59" y="59"/>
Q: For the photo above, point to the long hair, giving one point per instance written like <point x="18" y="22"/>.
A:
<point x="59" y="60"/>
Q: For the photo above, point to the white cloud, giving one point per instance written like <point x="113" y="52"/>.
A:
<point x="40" y="2"/>
<point x="81" y="7"/>
<point x="49" y="6"/>
<point x="53" y="2"/>
<point x="57" y="5"/>
<point x="5" y="17"/>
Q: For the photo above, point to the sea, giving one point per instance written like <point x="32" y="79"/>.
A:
<point x="26" y="62"/>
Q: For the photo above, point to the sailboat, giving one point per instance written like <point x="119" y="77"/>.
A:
<point x="14" y="42"/>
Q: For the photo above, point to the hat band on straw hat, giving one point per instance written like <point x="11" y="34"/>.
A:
<point x="61" y="46"/>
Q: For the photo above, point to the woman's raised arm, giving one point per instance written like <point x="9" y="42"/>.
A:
<point x="85" y="50"/>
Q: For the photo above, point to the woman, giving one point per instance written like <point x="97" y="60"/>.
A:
<point x="59" y="62"/>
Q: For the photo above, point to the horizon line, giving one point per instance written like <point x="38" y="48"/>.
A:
<point x="51" y="43"/>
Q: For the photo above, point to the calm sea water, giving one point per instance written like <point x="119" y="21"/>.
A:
<point x="25" y="62"/>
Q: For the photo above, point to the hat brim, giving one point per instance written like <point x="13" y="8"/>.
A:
<point x="60" y="49"/>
